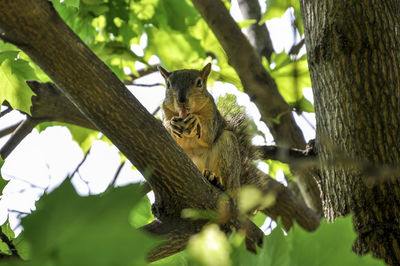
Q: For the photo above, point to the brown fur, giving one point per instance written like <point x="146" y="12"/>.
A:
<point x="220" y="149"/>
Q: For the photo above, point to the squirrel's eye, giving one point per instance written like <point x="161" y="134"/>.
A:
<point x="199" y="84"/>
<point x="167" y="85"/>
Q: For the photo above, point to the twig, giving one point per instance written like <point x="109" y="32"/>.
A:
<point x="141" y="73"/>
<point x="4" y="238"/>
<point x="156" y="110"/>
<point x="308" y="121"/>
<point x="6" y="111"/>
<point x="80" y="164"/>
<point x="19" y="134"/>
<point x="297" y="47"/>
<point x="9" y="130"/>
<point x="147" y="85"/>
<point x="25" y="181"/>
<point x="117" y="174"/>
<point x="284" y="155"/>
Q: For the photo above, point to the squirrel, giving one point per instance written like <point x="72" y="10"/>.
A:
<point x="192" y="118"/>
<point x="218" y="144"/>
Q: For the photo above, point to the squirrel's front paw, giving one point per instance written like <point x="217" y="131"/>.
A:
<point x="192" y="122"/>
<point x="187" y="127"/>
<point x="213" y="179"/>
<point x="177" y="126"/>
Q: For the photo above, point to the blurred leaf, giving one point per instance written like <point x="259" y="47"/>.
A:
<point x="280" y="60"/>
<point x="67" y="229"/>
<point x="141" y="214"/>
<point x="6" y="229"/>
<point x="274" y="251"/>
<point x="13" y="74"/>
<point x="259" y="219"/>
<point x="275" y="9"/>
<point x="303" y="105"/>
<point x="8" y="54"/>
<point x="275" y="166"/>
<point x="72" y="3"/>
<point x="210" y="247"/>
<point x="174" y="49"/>
<point x="251" y="197"/>
<point x="116" y="9"/>
<point x="246" y="23"/>
<point x="177" y="14"/>
<point x="291" y="76"/>
<point x="331" y="245"/>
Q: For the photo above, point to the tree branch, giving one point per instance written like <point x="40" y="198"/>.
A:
<point x="99" y="95"/>
<point x="284" y="155"/>
<point x="18" y="135"/>
<point x="176" y="233"/>
<point x="49" y="100"/>
<point x="259" y="85"/>
<point x="258" y="34"/>
<point x="50" y="104"/>
<point x="9" y="130"/>
<point x="141" y="73"/>
<point x="6" y="111"/>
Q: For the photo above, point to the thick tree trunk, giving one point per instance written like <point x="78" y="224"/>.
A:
<point x="354" y="56"/>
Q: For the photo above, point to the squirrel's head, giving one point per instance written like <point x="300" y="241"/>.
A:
<point x="186" y="89"/>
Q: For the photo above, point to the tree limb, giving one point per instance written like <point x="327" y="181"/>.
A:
<point x="9" y="130"/>
<point x="259" y="85"/>
<point x="258" y="34"/>
<point x="6" y="111"/>
<point x="49" y="100"/>
<point x="18" y="135"/>
<point x="141" y="73"/>
<point x="94" y="90"/>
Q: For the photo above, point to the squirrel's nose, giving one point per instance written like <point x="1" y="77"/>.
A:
<point x="182" y="99"/>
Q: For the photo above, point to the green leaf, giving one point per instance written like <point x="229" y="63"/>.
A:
<point x="8" y="54"/>
<point x="209" y="247"/>
<point x="275" y="166"/>
<point x="141" y="214"/>
<point x="329" y="245"/>
<point x="174" y="49"/>
<point x="177" y="14"/>
<point x="72" y="3"/>
<point x="246" y="23"/>
<point x="259" y="219"/>
<point x="274" y="252"/>
<point x="116" y="9"/>
<point x="13" y="74"/>
<point x="67" y="229"/>
<point x="291" y="76"/>
<point x="275" y="9"/>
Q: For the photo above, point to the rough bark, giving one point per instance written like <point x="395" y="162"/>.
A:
<point x="259" y="85"/>
<point x="36" y="28"/>
<point x="354" y="56"/>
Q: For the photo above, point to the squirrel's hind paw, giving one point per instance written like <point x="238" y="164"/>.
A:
<point x="214" y="180"/>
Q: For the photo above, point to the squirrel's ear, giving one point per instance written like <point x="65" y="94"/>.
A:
<point x="163" y="72"/>
<point x="205" y="72"/>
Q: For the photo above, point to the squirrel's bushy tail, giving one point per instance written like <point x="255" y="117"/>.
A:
<point x="238" y="122"/>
